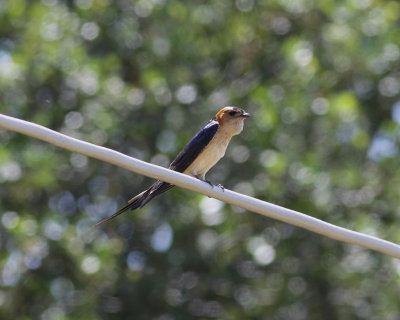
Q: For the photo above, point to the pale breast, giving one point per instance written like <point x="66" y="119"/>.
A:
<point x="211" y="154"/>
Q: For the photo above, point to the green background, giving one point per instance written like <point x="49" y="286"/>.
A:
<point x="322" y="81"/>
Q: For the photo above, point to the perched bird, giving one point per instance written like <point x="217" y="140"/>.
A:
<point x="198" y="156"/>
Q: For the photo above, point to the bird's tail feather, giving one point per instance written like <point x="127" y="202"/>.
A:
<point x="133" y="204"/>
<point x="156" y="189"/>
<point x="140" y="200"/>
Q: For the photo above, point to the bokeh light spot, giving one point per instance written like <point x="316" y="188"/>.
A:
<point x="162" y="238"/>
<point x="136" y="261"/>
<point x="90" y="31"/>
<point x="10" y="219"/>
<point x="186" y="94"/>
<point x="211" y="211"/>
<point x="90" y="264"/>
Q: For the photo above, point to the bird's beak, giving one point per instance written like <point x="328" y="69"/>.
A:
<point x="245" y="115"/>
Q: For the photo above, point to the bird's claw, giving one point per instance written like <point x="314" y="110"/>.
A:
<point x="211" y="185"/>
<point x="209" y="182"/>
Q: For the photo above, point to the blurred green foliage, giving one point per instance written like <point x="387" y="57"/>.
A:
<point x="322" y="81"/>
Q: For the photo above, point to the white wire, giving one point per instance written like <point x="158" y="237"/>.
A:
<point x="184" y="181"/>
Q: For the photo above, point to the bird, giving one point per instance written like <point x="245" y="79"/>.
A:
<point x="205" y="149"/>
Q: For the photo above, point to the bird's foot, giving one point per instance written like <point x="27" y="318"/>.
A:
<point x="207" y="181"/>
<point x="221" y="186"/>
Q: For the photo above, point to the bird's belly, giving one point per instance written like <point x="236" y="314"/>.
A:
<point x="206" y="159"/>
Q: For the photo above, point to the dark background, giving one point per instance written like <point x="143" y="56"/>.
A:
<point x="322" y="81"/>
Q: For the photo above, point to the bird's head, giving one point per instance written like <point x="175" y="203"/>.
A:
<point x="231" y="119"/>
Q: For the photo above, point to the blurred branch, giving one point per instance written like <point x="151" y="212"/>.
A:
<point x="184" y="181"/>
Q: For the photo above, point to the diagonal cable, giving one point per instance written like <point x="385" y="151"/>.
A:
<point x="184" y="181"/>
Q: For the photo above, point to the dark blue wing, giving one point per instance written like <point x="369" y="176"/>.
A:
<point x="195" y="146"/>
<point x="182" y="161"/>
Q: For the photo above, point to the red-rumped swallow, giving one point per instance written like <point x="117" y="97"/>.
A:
<point x="206" y="148"/>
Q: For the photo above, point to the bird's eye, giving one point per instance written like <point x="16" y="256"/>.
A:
<point x="232" y="113"/>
